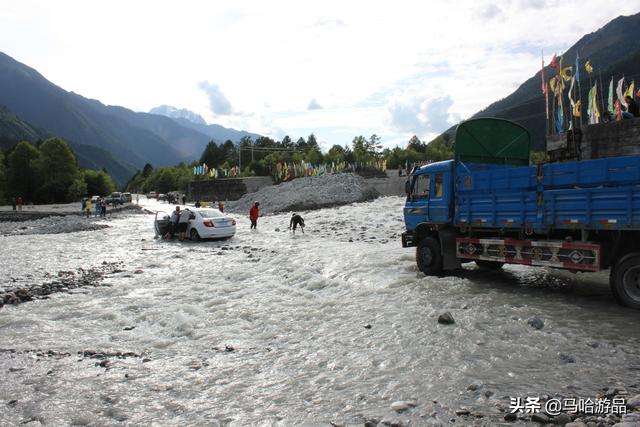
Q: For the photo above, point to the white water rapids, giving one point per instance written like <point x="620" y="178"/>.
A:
<point x="292" y="311"/>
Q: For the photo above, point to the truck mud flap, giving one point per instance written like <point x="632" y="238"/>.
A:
<point x="558" y="254"/>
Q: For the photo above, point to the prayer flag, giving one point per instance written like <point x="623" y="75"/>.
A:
<point x="588" y="67"/>
<point x="577" y="74"/>
<point x="566" y="73"/>
<point x="576" y="109"/>
<point x="619" y="92"/>
<point x="554" y="62"/>
<point x="629" y="91"/>
<point x="610" y="106"/>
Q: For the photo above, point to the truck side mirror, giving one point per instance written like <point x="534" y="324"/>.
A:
<point x="407" y="187"/>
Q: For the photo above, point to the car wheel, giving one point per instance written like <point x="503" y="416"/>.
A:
<point x="194" y="235"/>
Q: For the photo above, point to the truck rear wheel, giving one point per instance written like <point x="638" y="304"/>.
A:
<point x="625" y="280"/>
<point x="428" y="256"/>
<point x="489" y="265"/>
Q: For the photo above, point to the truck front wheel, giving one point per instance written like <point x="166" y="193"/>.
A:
<point x="428" y="256"/>
<point x="625" y="280"/>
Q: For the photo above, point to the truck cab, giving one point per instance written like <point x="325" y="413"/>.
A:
<point x="429" y="199"/>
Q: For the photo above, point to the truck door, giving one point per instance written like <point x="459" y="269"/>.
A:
<point x="416" y="208"/>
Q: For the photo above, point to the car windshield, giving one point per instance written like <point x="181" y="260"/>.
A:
<point x="211" y="213"/>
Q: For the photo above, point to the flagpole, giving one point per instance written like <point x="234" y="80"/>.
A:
<point x="579" y="89"/>
<point x="601" y="95"/>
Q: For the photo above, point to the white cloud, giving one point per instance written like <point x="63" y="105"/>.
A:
<point x="394" y="70"/>
<point x="314" y="105"/>
<point x="218" y="103"/>
<point x="421" y="115"/>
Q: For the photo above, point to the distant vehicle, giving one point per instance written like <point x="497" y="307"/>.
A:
<point x="152" y="195"/>
<point x="162" y="197"/>
<point x="94" y="199"/>
<point x="127" y="198"/>
<point x="114" y="198"/>
<point x="206" y="223"/>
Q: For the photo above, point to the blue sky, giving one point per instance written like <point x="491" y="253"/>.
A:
<point x="335" y="68"/>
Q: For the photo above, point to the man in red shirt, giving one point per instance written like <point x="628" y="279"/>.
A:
<point x="253" y="215"/>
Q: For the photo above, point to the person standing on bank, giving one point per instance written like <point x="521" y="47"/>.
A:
<point x="296" y="220"/>
<point x="254" y="213"/>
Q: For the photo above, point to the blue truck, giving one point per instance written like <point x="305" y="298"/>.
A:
<point x="488" y="205"/>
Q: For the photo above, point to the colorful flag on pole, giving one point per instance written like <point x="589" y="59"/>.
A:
<point x="576" y="109"/>
<point x="588" y="67"/>
<point x="610" y="106"/>
<point x="629" y="91"/>
<point x="618" y="111"/>
<point x="620" y="93"/>
<point x="554" y="62"/>
<point x="566" y="73"/>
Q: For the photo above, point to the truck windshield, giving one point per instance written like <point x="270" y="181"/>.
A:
<point x="421" y="186"/>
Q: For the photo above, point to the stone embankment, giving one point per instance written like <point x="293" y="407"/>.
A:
<point x="308" y="193"/>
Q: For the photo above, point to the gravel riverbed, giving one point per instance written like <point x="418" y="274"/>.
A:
<point x="332" y="327"/>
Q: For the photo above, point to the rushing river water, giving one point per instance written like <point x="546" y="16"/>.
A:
<point x="268" y="328"/>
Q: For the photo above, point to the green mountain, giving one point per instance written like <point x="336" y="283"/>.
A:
<point x="13" y="130"/>
<point x="613" y="50"/>
<point x="130" y="137"/>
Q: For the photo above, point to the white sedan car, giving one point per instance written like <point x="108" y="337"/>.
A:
<point x="210" y="223"/>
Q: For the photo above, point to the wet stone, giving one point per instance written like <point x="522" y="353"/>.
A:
<point x="565" y="358"/>
<point x="510" y="417"/>
<point x="536" y="323"/>
<point x="562" y="419"/>
<point x="540" y="418"/>
<point x="446" y="319"/>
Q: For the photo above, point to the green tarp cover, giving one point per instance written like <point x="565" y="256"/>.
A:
<point x="492" y="140"/>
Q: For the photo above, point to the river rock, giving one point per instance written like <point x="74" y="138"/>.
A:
<point x="536" y="323"/>
<point x="631" y="418"/>
<point x="392" y="422"/>
<point x="565" y="358"/>
<point x="446" y="319"/>
<point x="511" y="417"/>
<point x="540" y="418"/>
<point x="575" y="424"/>
<point x="403" y="405"/>
<point x="563" y="419"/>
<point x="634" y="402"/>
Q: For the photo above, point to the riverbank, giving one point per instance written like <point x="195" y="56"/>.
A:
<point x="56" y="219"/>
<point x="34" y="212"/>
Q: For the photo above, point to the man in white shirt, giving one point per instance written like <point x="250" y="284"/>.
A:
<point x="183" y="223"/>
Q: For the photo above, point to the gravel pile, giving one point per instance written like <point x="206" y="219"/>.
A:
<point x="308" y="193"/>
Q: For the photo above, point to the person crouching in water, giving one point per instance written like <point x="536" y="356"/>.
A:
<point x="183" y="223"/>
<point x="296" y="220"/>
<point x="254" y="212"/>
<point x="173" y="223"/>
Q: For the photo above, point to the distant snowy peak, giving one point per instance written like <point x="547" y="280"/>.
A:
<point x="174" y="113"/>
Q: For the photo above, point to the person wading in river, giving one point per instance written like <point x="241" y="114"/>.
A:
<point x="254" y="212"/>
<point x="296" y="220"/>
